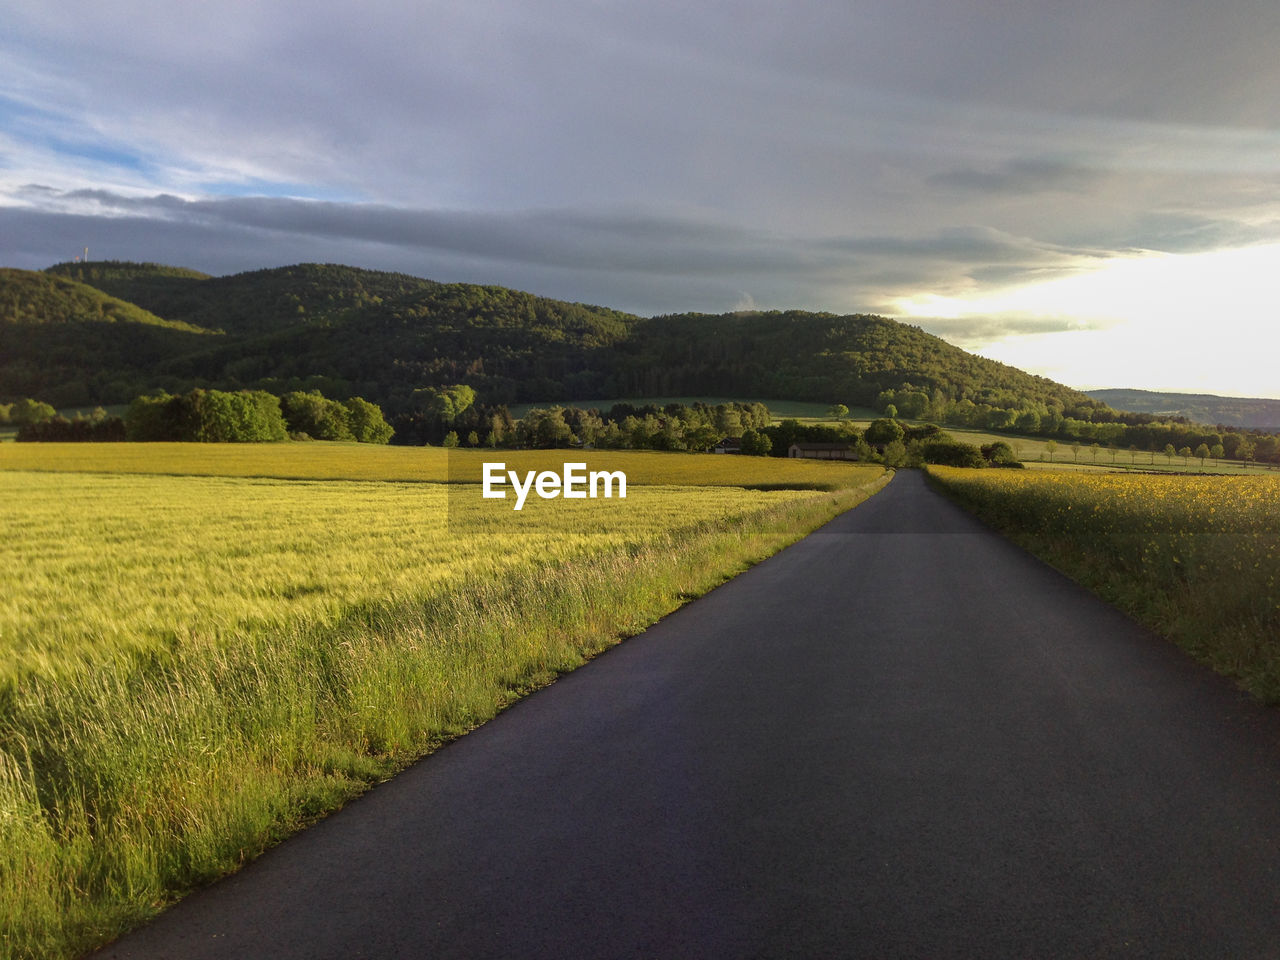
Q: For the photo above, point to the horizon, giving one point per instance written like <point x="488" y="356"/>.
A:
<point x="1062" y="189"/>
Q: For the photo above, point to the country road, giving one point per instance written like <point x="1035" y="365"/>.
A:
<point x="900" y="737"/>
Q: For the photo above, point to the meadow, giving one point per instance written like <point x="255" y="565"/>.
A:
<point x="1196" y="558"/>
<point x="194" y="663"/>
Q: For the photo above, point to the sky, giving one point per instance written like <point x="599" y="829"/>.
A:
<point x="1090" y="191"/>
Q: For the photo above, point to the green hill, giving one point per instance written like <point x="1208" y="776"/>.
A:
<point x="821" y="357"/>
<point x="246" y="304"/>
<point x="383" y="335"/>
<point x="1249" y="412"/>
<point x="69" y="343"/>
<point x="507" y="344"/>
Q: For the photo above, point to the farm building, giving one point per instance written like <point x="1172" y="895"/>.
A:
<point x="823" y="451"/>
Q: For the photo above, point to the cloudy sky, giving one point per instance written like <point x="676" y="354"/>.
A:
<point x="1088" y="190"/>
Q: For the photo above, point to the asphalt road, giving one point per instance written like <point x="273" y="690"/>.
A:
<point x="901" y="737"/>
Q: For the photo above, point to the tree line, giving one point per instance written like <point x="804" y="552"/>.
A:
<point x="210" y="416"/>
<point x="1092" y="423"/>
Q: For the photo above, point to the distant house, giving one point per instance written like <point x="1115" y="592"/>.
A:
<point x="728" y="445"/>
<point x="822" y="451"/>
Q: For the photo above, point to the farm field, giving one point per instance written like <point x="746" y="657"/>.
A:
<point x="1195" y="558"/>
<point x="194" y="666"/>
<point x="351" y="461"/>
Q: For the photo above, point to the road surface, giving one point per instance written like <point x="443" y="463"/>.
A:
<point x="900" y="737"/>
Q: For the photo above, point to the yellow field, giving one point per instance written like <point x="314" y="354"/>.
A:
<point x="362" y="461"/>
<point x="127" y="561"/>
<point x="194" y="662"/>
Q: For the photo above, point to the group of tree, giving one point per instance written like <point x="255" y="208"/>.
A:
<point x="696" y="427"/>
<point x="253" y="416"/>
<point x="894" y="443"/>
<point x="312" y="416"/>
<point x="449" y="417"/>
<point x="98" y="426"/>
<point x="1084" y="424"/>
<point x="207" y="416"/>
<point x="26" y="411"/>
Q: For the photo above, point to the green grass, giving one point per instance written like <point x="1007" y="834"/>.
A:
<point x="193" y="667"/>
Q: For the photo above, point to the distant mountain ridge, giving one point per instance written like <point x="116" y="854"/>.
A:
<point x="1256" y="413"/>
<point x="350" y="331"/>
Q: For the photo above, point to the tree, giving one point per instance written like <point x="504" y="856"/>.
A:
<point x="838" y="411"/>
<point x="1095" y="450"/>
<point x="1049" y="447"/>
<point x="545" y="429"/>
<point x="1216" y="452"/>
<point x="451" y="439"/>
<point x="884" y="431"/>
<point x="445" y="404"/>
<point x="317" y="416"/>
<point x="1170" y="452"/>
<point x="894" y="453"/>
<point x="891" y="411"/>
<point x="27" y="410"/>
<point x="1028" y="421"/>
<point x="1075" y="452"/>
<point x="1202" y="452"/>
<point x="366" y="422"/>
<point x="913" y="404"/>
<point x="756" y="443"/>
<point x="1000" y="454"/>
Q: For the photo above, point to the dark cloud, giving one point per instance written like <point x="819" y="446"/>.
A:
<point x="608" y="257"/>
<point x="655" y="156"/>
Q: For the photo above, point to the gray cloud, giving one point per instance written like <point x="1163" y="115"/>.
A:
<point x="1022" y="176"/>
<point x="654" y="156"/>
<point x="975" y="331"/>
<point x="612" y="257"/>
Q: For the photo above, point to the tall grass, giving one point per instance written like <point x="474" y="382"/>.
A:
<point x="133" y="771"/>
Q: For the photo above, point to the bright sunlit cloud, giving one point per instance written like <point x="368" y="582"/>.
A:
<point x="1190" y="322"/>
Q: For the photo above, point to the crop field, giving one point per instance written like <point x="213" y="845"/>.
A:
<point x="194" y="666"/>
<point x="1197" y="559"/>
<point x="362" y="461"/>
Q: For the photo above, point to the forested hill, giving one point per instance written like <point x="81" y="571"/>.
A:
<point x="1251" y="412"/>
<point x="54" y="332"/>
<point x="797" y="355"/>
<point x="381" y="335"/>
<point x="246" y="304"/>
